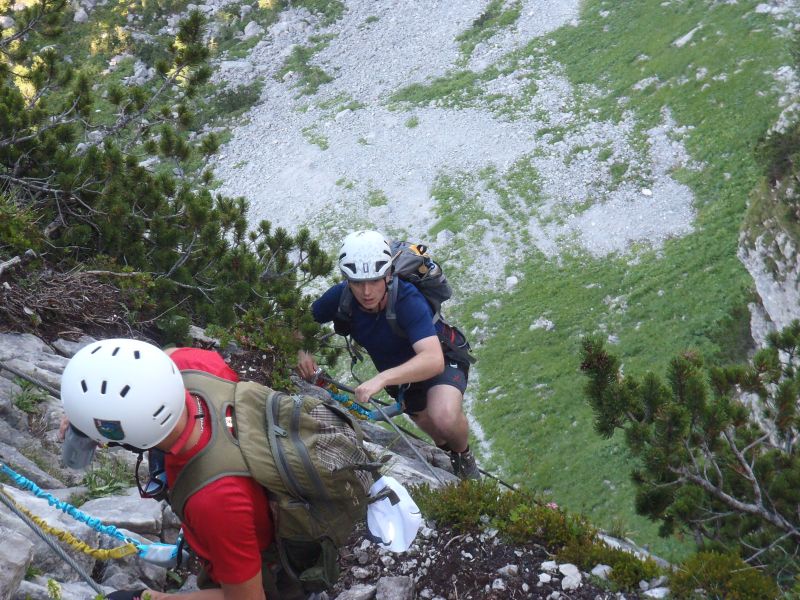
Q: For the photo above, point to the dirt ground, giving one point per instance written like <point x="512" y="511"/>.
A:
<point x="459" y="566"/>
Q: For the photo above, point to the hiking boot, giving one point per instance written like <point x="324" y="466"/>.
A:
<point x="464" y="465"/>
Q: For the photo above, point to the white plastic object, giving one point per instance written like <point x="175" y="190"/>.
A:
<point x="394" y="525"/>
<point x="163" y="555"/>
<point x="77" y="451"/>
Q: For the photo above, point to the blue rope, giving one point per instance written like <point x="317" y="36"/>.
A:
<point x="372" y="415"/>
<point x="345" y="401"/>
<point x="67" y="508"/>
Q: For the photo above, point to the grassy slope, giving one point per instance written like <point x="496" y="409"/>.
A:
<point x="682" y="297"/>
<point x="544" y="433"/>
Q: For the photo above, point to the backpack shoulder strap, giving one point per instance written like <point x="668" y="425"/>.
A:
<point x="226" y="458"/>
<point x="391" y="312"/>
<point x="344" y="312"/>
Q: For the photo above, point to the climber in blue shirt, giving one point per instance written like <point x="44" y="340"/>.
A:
<point x="410" y="367"/>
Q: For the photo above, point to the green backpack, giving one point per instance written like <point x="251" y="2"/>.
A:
<point x="308" y="454"/>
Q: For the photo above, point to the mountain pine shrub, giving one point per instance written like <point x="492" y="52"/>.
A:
<point x="521" y="518"/>
<point x="715" y="575"/>
<point x="717" y="448"/>
<point x="100" y="173"/>
<point x="627" y="570"/>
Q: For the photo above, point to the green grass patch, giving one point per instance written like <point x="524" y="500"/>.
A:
<point x="495" y="17"/>
<point x="310" y="77"/>
<point x="107" y="476"/>
<point x="605" y="154"/>
<point x="231" y="103"/>
<point x="520" y="183"/>
<point x="377" y="198"/>
<point x="29" y="397"/>
<point x="618" y="171"/>
<point x="539" y="420"/>
<point x="412" y="122"/>
<point x="313" y="136"/>
<point x="345" y="183"/>
<point x="457" y="204"/>
<point x="370" y="20"/>
<point x="691" y="294"/>
<point x="339" y="103"/>
<point x="234" y="48"/>
<point x="453" y="90"/>
<point x="227" y="39"/>
<point x="557" y="133"/>
<point x="330" y="10"/>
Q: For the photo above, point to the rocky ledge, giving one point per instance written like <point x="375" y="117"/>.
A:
<point x="441" y="564"/>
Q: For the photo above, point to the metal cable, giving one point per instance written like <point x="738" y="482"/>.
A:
<point x="402" y="430"/>
<point x="49" y="389"/>
<point x="58" y="550"/>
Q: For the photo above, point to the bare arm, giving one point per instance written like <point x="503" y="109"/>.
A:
<point x="426" y="363"/>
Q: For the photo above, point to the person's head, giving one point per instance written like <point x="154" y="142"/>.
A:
<point x="365" y="260"/>
<point x="124" y="391"/>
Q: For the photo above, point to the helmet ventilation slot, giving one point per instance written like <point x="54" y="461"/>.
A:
<point x="124" y="391"/>
<point x="164" y="420"/>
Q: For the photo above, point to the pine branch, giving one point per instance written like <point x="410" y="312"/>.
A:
<point x="738" y="505"/>
<point x="182" y="260"/>
<point x="745" y="466"/>
<point x="26" y="29"/>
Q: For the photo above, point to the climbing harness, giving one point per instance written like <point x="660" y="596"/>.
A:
<point x="165" y="555"/>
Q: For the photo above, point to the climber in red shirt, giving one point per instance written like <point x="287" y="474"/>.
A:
<point x="130" y="392"/>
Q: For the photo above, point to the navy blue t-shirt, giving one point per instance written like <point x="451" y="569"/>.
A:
<point x="372" y="330"/>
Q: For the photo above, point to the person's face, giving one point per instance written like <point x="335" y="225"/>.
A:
<point x="369" y="293"/>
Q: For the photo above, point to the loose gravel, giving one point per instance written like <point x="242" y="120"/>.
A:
<point x="315" y="161"/>
<point x="275" y="158"/>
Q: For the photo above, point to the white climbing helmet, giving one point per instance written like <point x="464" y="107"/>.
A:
<point x="123" y="390"/>
<point x="365" y="256"/>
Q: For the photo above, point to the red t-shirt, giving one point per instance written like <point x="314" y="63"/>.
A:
<point x="227" y="523"/>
